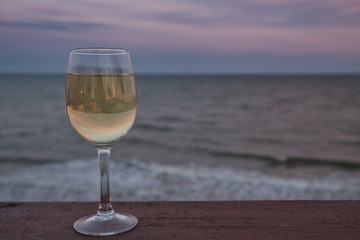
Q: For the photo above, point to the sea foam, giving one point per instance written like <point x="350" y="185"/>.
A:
<point x="133" y="180"/>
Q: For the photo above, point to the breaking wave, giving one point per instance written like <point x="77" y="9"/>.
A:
<point x="133" y="180"/>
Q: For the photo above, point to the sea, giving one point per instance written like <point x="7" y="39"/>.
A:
<point x="195" y="137"/>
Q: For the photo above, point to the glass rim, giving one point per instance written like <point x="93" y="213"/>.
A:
<point x="100" y="51"/>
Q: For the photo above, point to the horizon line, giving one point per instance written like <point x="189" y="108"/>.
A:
<point x="201" y="73"/>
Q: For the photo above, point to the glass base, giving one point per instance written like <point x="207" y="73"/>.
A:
<point x="105" y="225"/>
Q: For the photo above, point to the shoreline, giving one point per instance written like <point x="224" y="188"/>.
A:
<point x="134" y="180"/>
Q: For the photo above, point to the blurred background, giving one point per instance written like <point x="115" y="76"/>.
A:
<point x="238" y="100"/>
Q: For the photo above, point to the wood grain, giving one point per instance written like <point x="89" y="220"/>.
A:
<point x="191" y="220"/>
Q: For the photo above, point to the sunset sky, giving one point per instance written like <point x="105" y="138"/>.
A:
<point x="183" y="36"/>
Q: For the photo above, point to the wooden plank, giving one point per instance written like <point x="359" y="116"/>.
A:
<point x="191" y="220"/>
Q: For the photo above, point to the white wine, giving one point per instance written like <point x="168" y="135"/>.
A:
<point x="101" y="105"/>
<point x="102" y="108"/>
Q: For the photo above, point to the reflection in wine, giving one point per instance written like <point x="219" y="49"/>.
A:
<point x="102" y="108"/>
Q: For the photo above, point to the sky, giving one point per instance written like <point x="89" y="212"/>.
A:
<point x="185" y="36"/>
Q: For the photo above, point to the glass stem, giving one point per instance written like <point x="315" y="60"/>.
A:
<point x="105" y="206"/>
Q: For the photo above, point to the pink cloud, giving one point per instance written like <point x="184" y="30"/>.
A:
<point x="275" y="26"/>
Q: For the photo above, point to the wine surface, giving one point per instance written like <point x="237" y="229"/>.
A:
<point x="102" y="108"/>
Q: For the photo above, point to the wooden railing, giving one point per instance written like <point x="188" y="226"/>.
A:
<point x="190" y="220"/>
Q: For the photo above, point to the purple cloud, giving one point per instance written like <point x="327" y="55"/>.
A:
<point x="53" y="25"/>
<point x="275" y="27"/>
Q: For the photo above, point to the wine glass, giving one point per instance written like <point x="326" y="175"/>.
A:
<point x="101" y="104"/>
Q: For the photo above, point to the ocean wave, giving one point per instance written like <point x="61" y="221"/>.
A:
<point x="132" y="180"/>
<point x="143" y="142"/>
<point x="171" y="119"/>
<point x="154" y="127"/>
<point x="347" y="142"/>
<point x="282" y="159"/>
<point x="266" y="140"/>
<point x="291" y="160"/>
<point x="27" y="160"/>
<point x="274" y="160"/>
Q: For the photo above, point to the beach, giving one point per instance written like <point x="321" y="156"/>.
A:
<point x="195" y="137"/>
